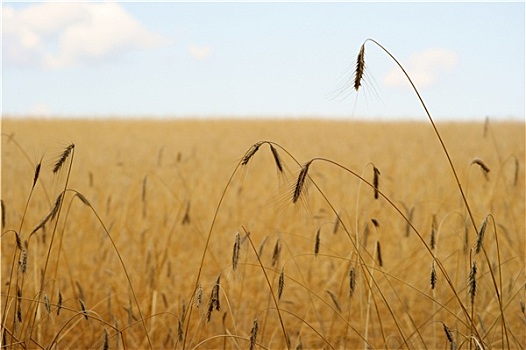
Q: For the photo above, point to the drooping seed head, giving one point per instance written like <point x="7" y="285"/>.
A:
<point x="277" y="158"/>
<point x="483" y="167"/>
<point x="376" y="180"/>
<point x="63" y="158"/>
<point x="301" y="181"/>
<point x="250" y="153"/>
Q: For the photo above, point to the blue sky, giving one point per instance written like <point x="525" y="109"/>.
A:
<point x="129" y="59"/>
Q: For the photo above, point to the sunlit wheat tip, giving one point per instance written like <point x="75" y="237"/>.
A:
<point x="360" y="67"/>
<point x="277" y="158"/>
<point x="63" y="158"/>
<point x="253" y="334"/>
<point x="480" y="236"/>
<point x="376" y="180"/>
<point x="281" y="283"/>
<point x="301" y="181"/>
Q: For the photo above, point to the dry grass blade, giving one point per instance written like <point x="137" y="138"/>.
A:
<point x="63" y="158"/>
<point x="360" y="67"/>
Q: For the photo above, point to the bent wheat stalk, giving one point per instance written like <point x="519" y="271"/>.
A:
<point x="360" y="66"/>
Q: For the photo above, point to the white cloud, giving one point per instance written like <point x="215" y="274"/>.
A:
<point x="200" y="53"/>
<point x="64" y="34"/>
<point x="424" y="68"/>
<point x="40" y="109"/>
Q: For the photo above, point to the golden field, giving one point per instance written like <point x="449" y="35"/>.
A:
<point x="150" y="210"/>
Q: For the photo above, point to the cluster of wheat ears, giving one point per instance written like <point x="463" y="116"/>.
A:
<point x="332" y="290"/>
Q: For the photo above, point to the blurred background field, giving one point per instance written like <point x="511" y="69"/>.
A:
<point x="156" y="186"/>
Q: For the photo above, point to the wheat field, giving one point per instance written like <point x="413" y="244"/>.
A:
<point x="184" y="234"/>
